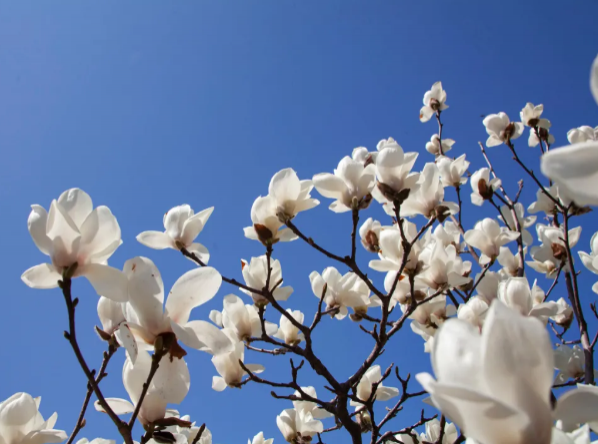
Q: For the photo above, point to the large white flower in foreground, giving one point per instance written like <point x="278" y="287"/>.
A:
<point x="501" y="130"/>
<point x="149" y="320"/>
<point x="434" y="101"/>
<point x="182" y="226"/>
<point x="22" y="423"/>
<point x="169" y="385"/>
<point x="350" y="185"/>
<point x="574" y="168"/>
<point x="496" y="386"/>
<point x="74" y="234"/>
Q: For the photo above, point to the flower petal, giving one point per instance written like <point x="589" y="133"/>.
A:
<point x="172" y="380"/>
<point x="36" y="223"/>
<point x="155" y="239"/>
<point x="577" y="406"/>
<point x="77" y="205"/>
<point x="329" y="185"/>
<point x="202" y="335"/>
<point x="42" y="276"/>
<point x="118" y="405"/>
<point x="99" y="231"/>
<point x="107" y="281"/>
<point x="200" y="251"/>
<point x="194" y="225"/>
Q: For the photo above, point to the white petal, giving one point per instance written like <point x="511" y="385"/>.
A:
<point x="172" y="380"/>
<point x="218" y="383"/>
<point x="107" y="281"/>
<point x="125" y="339"/>
<point x="594" y="79"/>
<point x="194" y="225"/>
<point x="200" y="251"/>
<point x="579" y="405"/>
<point x="329" y="185"/>
<point x="146" y="293"/>
<point x="36" y="223"/>
<point x="99" y="231"/>
<point x="77" y="205"/>
<point x="201" y="334"/>
<point x="155" y="239"/>
<point x="42" y="276"/>
<point x="118" y="405"/>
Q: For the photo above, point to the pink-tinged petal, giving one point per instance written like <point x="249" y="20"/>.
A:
<point x="156" y="240"/>
<point x="202" y="335"/>
<point x="124" y="337"/>
<point x="118" y="405"/>
<point x="42" y="276"/>
<point x="329" y="185"/>
<point x="200" y="251"/>
<point x="218" y="383"/>
<point x="106" y="281"/>
<point x="194" y="225"/>
<point x="146" y="293"/>
<point x="194" y="288"/>
<point x="99" y="232"/>
<point x="77" y="205"/>
<point x="36" y="223"/>
<point x="172" y="380"/>
<point x="579" y="405"/>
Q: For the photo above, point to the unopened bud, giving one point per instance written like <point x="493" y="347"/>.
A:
<point x="484" y="190"/>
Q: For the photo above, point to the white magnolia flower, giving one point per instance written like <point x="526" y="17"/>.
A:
<point x="181" y="226"/>
<point x="259" y="439"/>
<point x="545" y="136"/>
<point x="266" y="224"/>
<point x="350" y="185"/>
<point x="361" y="154"/>
<point x="298" y="423"/>
<point x="169" y="385"/>
<point x="112" y="317"/>
<point x="364" y="389"/>
<point x="230" y="371"/>
<point x="482" y="186"/>
<point x="287" y="331"/>
<point x="590" y="261"/>
<point x="22" y="423"/>
<point x="341" y="291"/>
<point x="496" y="386"/>
<point x="308" y="406"/>
<point x="433" y="432"/>
<point x="474" y="311"/>
<point x="574" y="168"/>
<point x="565" y="314"/>
<point x="501" y="130"/>
<point x="428" y="197"/>
<point x="530" y="116"/>
<point x="426" y="332"/>
<point x="434" y="101"/>
<point x="369" y="232"/>
<point x="432" y="313"/>
<point x="543" y="202"/>
<point x="452" y="171"/>
<point x="444" y="267"/>
<point x="552" y="252"/>
<point x="570" y="362"/>
<point x="524" y="222"/>
<point x="510" y="263"/>
<point x="291" y="194"/>
<point x="433" y="146"/>
<point x="516" y="293"/>
<point x="255" y="274"/>
<point x="185" y="435"/>
<point x="79" y="239"/>
<point x="448" y="234"/>
<point x="487" y="236"/>
<point x="487" y="288"/>
<point x="582" y="134"/>
<point x="149" y="320"/>
<point x="393" y="171"/>
<point x="242" y="319"/>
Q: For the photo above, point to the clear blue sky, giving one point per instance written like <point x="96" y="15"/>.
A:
<point x="148" y="104"/>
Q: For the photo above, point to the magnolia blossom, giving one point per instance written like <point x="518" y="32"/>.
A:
<point x="501" y="130"/>
<point x="483" y="188"/>
<point x="114" y="324"/>
<point x="309" y="406"/>
<point x="350" y="185"/>
<point x="524" y="222"/>
<point x="255" y="274"/>
<point x="433" y="432"/>
<point x="444" y="267"/>
<point x="496" y="386"/>
<point x="287" y="331"/>
<point x="487" y="236"/>
<point x="570" y="362"/>
<point x="432" y="313"/>
<point x="340" y="291"/>
<point x="428" y="197"/>
<point x="231" y="372"/>
<point x="434" y="102"/>
<point x="552" y="253"/>
<point x="79" y="240"/>
<point x="169" y="385"/>
<point x="433" y="146"/>
<point x="185" y="435"/>
<point x="364" y="389"/>
<point x="510" y="263"/>
<point x="241" y="319"/>
<point x="266" y="224"/>
<point x="294" y="424"/>
<point x="291" y="194"/>
<point x="259" y="439"/>
<point x="474" y="311"/>
<point x="448" y="234"/>
<point x="545" y="136"/>
<point x="582" y="134"/>
<point x="487" y="288"/>
<point x="149" y="321"/>
<point x="590" y="261"/>
<point x="530" y="116"/>
<point x="574" y="168"/>
<point x="22" y="423"/>
<point x="452" y="171"/>
<point x="543" y="202"/>
<point x="393" y="171"/>
<point x="565" y="315"/>
<point x="516" y="293"/>
<point x="361" y="154"/>
<point x="369" y="232"/>
<point x="182" y="226"/>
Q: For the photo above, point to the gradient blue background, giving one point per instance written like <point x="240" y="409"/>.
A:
<point x="147" y="105"/>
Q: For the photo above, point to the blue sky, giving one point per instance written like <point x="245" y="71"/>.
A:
<point x="147" y="105"/>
